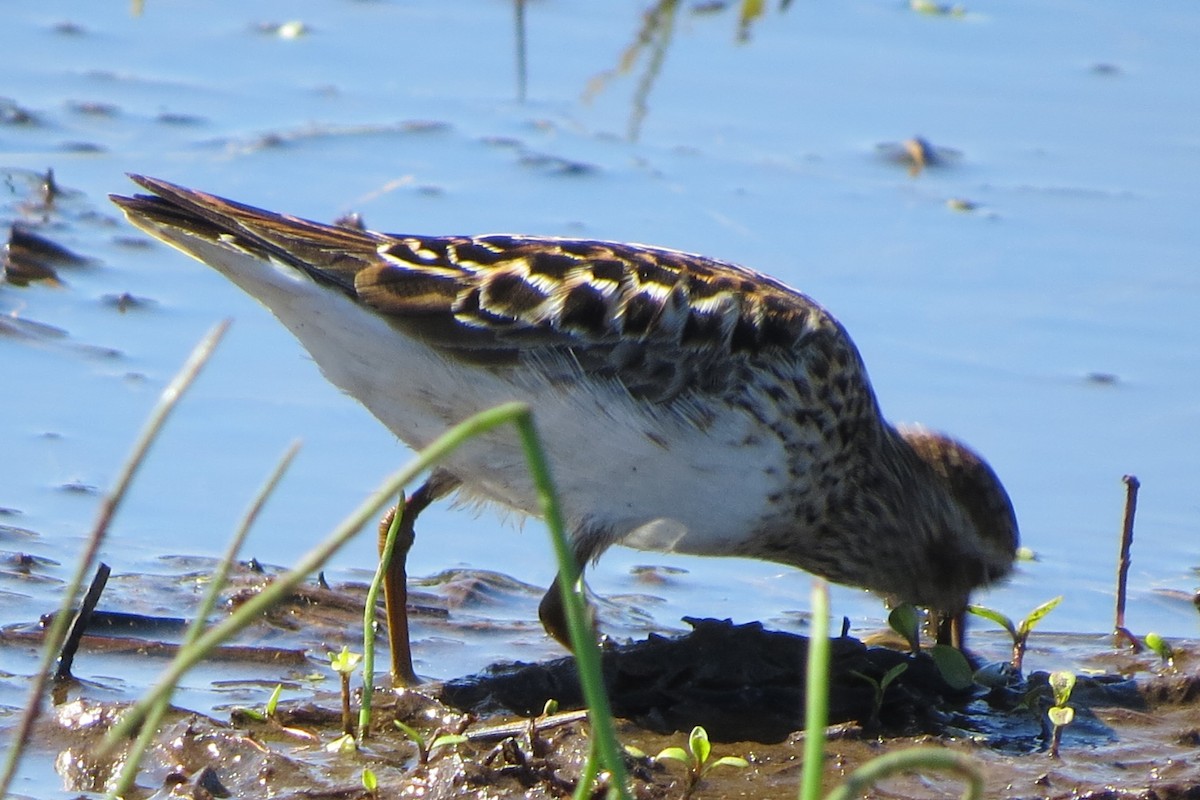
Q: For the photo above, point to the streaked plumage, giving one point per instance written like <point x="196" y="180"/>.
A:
<point x="687" y="404"/>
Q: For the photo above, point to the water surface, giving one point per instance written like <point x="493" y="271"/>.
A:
<point x="1052" y="327"/>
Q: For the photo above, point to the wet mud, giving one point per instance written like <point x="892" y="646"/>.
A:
<point x="1135" y="734"/>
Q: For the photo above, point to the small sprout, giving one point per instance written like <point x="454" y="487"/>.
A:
<point x="905" y="621"/>
<point x="1019" y="633"/>
<point x="536" y="743"/>
<point x="1062" y="683"/>
<point x="268" y="712"/>
<point x="369" y="781"/>
<point x="273" y="701"/>
<point x="880" y="687"/>
<point x="696" y="759"/>
<point x="1060" y="714"/>
<point x="344" y="664"/>
<point x="961" y="204"/>
<point x="342" y="745"/>
<point x="425" y="747"/>
<point x="252" y="713"/>
<point x="1161" y="648"/>
<point x="1026" y="554"/>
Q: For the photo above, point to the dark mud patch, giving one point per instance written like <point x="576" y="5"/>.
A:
<point x="1135" y="734"/>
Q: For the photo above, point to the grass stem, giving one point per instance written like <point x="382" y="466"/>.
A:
<point x="912" y="759"/>
<point x="583" y="638"/>
<point x="816" y="693"/>
<point x="308" y="564"/>
<point x="385" y="560"/>
<point x="217" y="582"/>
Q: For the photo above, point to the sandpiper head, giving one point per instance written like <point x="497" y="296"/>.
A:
<point x="986" y="553"/>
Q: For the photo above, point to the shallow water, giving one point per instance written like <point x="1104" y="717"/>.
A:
<point x="1053" y="327"/>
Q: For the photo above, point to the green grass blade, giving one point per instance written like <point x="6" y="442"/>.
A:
<point x="583" y="640"/>
<point x="385" y="560"/>
<point x="133" y="758"/>
<point x="816" y="693"/>
<point x="914" y="759"/>
<point x="311" y="561"/>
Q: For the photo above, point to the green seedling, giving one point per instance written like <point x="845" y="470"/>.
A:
<point x="369" y="781"/>
<point x="1060" y="714"/>
<point x="1019" y="633"/>
<point x="536" y="743"/>
<point x="342" y="745"/>
<point x="880" y="687"/>
<point x="344" y="664"/>
<point x="268" y="712"/>
<point x="426" y="745"/>
<point x="696" y="759"/>
<point x="905" y="620"/>
<point x="1161" y="648"/>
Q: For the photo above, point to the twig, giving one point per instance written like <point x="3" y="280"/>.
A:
<point x="80" y="623"/>
<point x="1120" y="631"/>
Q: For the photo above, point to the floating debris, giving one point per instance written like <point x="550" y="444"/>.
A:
<point x="13" y="114"/>
<point x="917" y="154"/>
<point x="293" y="29"/>
<point x="178" y="118"/>
<point x="29" y="257"/>
<point x="935" y="9"/>
<point x="125" y="301"/>
<point x="557" y="165"/>
<point x="68" y="28"/>
<point x="93" y="108"/>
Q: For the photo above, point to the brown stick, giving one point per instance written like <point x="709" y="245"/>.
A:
<point x="1131" y="490"/>
<point x="79" y="624"/>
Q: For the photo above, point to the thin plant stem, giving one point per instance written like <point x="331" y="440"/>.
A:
<point x="816" y="693"/>
<point x="79" y="623"/>
<point x="217" y="582"/>
<point x="309" y="563"/>
<point x="914" y="758"/>
<point x="1131" y="491"/>
<point x="583" y="639"/>
<point x="522" y="56"/>
<point x="368" y="664"/>
<point x="167" y="401"/>
<point x="587" y="775"/>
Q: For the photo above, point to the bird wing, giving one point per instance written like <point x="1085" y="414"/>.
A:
<point x="662" y="322"/>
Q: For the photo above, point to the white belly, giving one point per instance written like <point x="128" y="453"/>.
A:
<point x="650" y="478"/>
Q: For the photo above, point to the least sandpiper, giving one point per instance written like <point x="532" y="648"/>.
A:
<point x="687" y="404"/>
